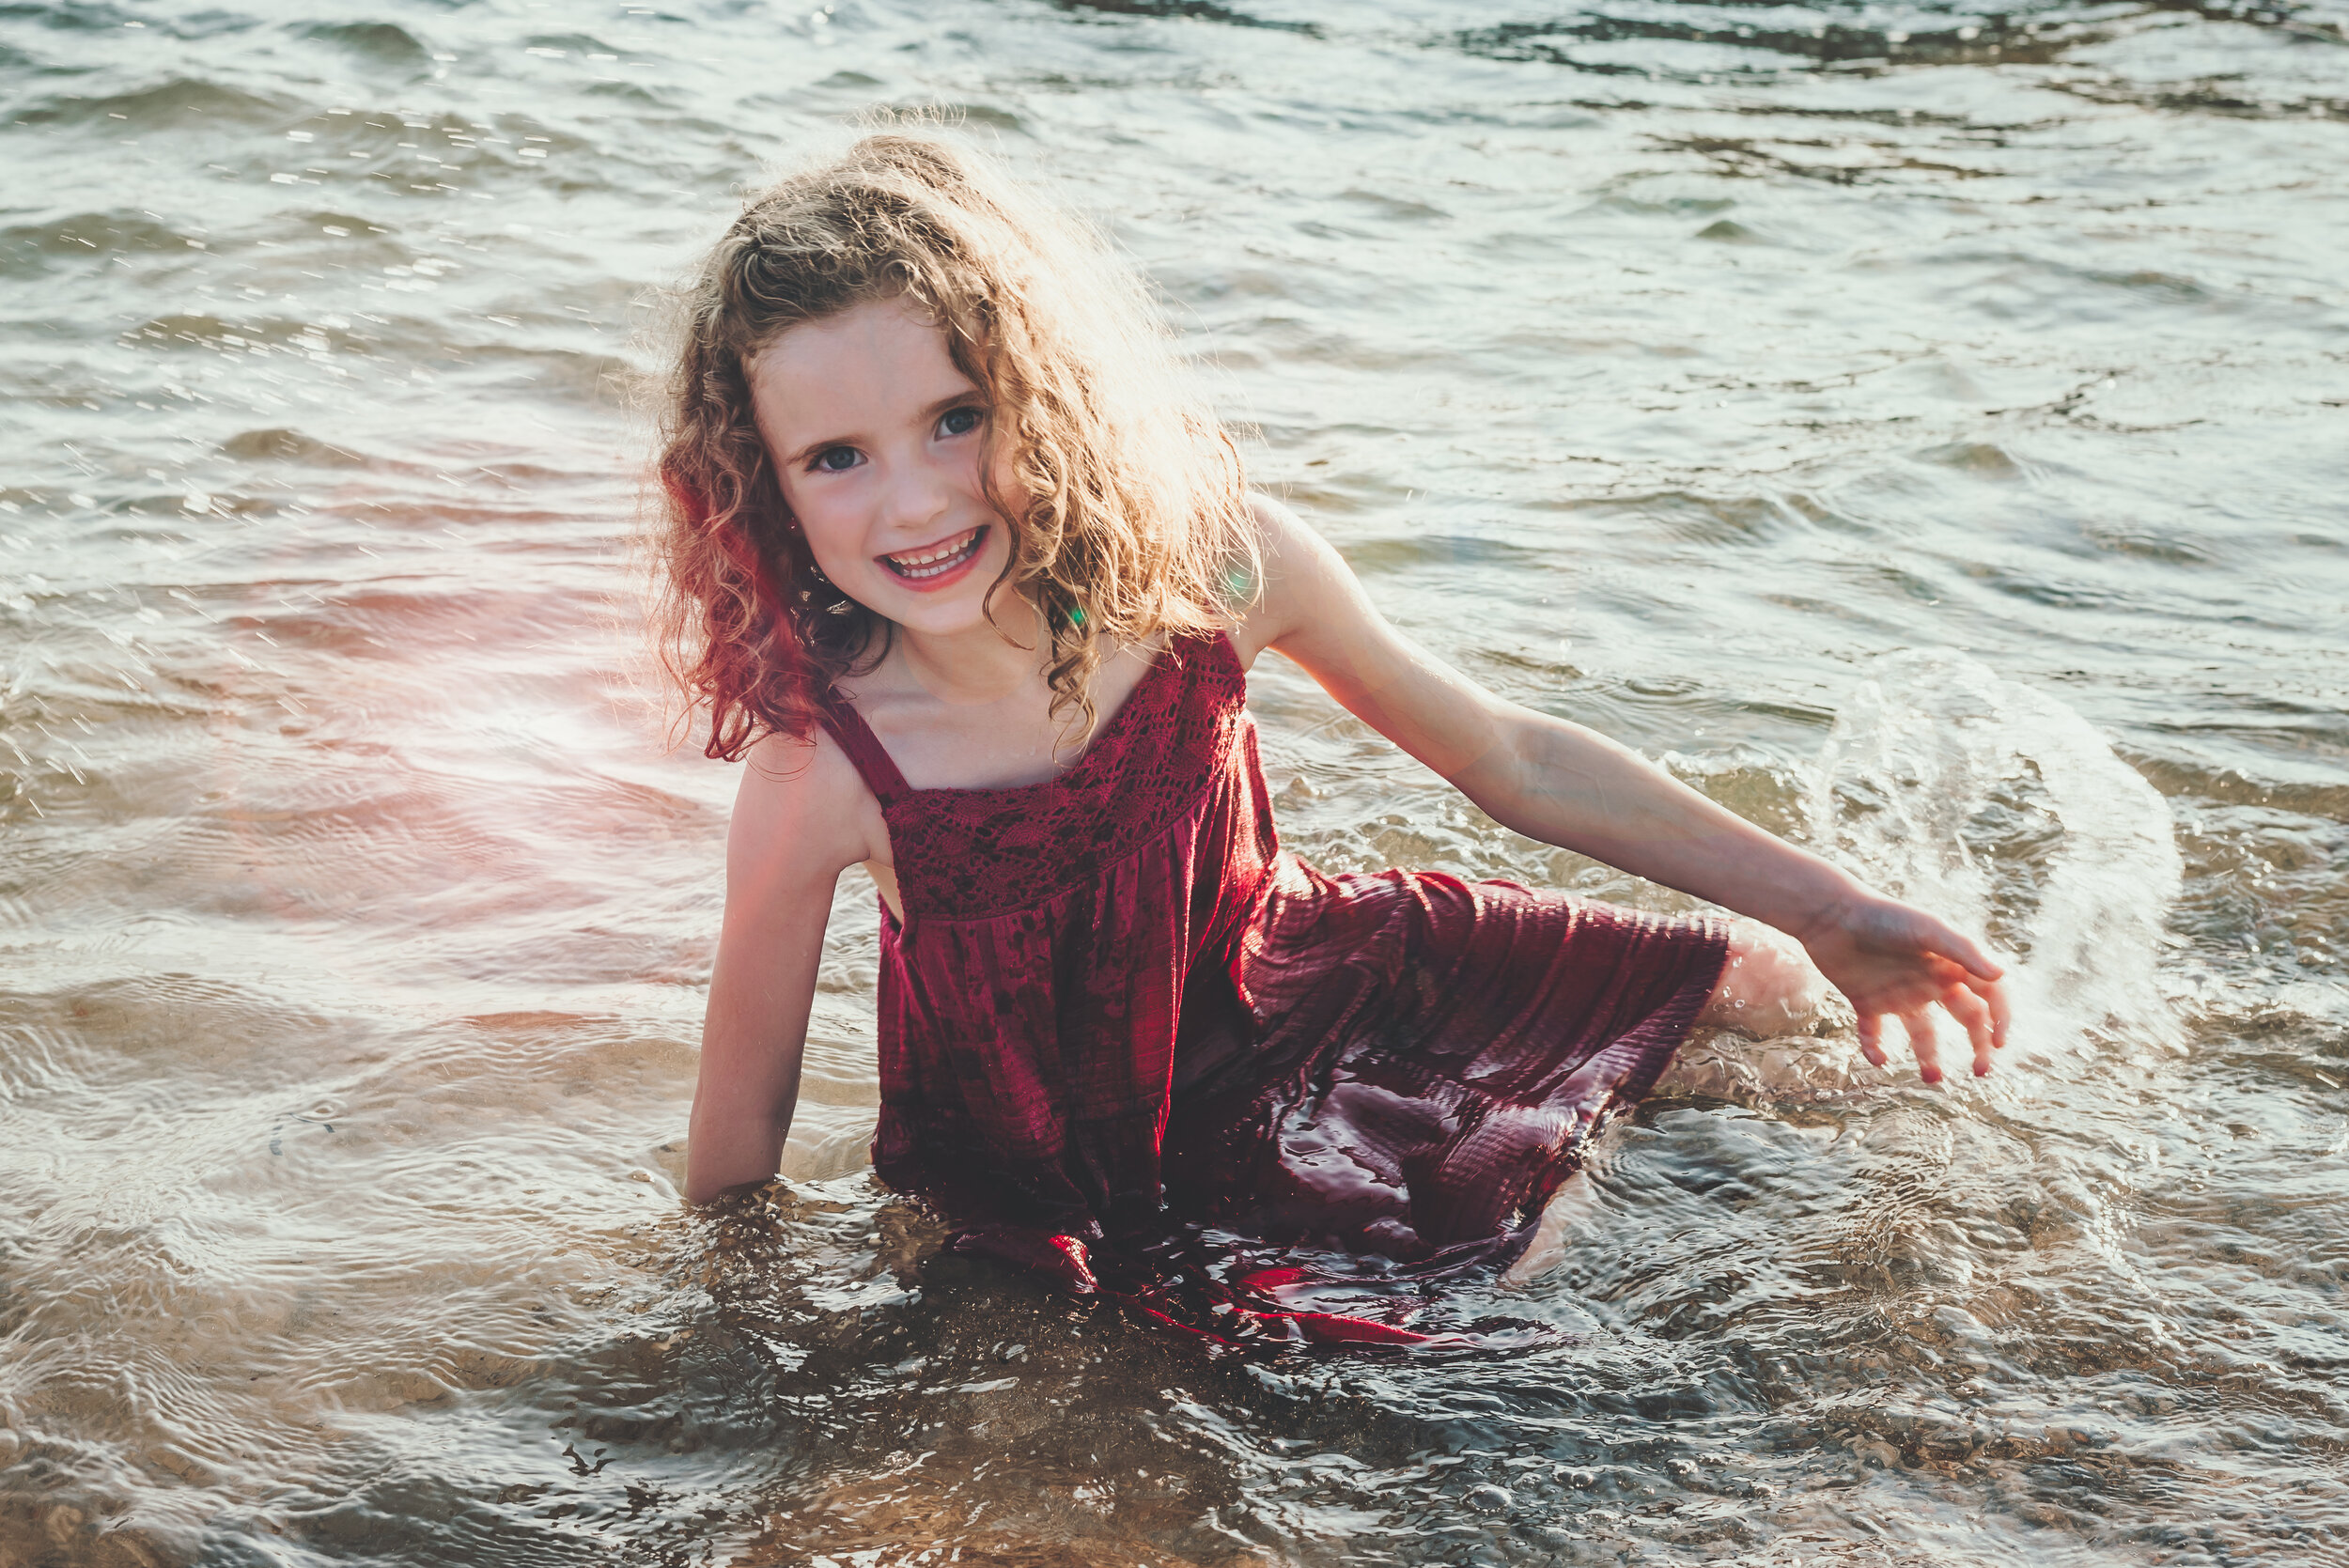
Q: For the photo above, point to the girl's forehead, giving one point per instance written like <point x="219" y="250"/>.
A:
<point x="893" y="330"/>
<point x="870" y="358"/>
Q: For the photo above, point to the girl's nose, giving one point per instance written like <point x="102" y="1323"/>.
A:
<point x="917" y="496"/>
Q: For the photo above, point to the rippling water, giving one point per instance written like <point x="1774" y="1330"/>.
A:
<point x="1920" y="426"/>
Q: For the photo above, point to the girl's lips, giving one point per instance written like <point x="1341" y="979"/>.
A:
<point x="934" y="567"/>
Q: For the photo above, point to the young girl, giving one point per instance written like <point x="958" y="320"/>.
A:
<point x="972" y="583"/>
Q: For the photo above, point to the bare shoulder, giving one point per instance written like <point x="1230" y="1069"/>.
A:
<point x="803" y="813"/>
<point x="1302" y="576"/>
<point x="1308" y="592"/>
<point x="1288" y="541"/>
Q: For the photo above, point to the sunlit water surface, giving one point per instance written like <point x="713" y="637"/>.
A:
<point x="1923" y="427"/>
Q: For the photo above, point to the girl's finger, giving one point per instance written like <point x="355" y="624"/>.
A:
<point x="1973" y="1016"/>
<point x="1941" y="940"/>
<point x="1960" y="947"/>
<point x="2001" y="1010"/>
<point x="1871" y="1030"/>
<point x="1922" y="1041"/>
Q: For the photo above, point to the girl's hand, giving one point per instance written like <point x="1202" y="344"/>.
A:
<point x="1892" y="959"/>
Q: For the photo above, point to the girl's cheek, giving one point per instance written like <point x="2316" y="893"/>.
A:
<point x="830" y="558"/>
<point x="821" y="530"/>
<point x="1011" y="497"/>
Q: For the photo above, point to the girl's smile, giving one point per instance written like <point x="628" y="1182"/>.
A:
<point x="940" y="565"/>
<point x="878" y="440"/>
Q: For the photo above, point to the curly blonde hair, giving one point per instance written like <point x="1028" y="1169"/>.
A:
<point x="1132" y="519"/>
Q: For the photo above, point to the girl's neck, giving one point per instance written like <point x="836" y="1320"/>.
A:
<point x="983" y="665"/>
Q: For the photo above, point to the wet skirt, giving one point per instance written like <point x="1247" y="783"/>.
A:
<point x="1129" y="1043"/>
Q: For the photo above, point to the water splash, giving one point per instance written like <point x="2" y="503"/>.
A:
<point x="1997" y="806"/>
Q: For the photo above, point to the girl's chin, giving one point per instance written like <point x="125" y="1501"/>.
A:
<point x="957" y="607"/>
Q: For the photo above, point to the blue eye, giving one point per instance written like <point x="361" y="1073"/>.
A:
<point x="835" y="459"/>
<point x="959" y="422"/>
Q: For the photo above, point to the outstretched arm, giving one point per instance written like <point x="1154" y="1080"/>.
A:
<point x="799" y="819"/>
<point x="1571" y="787"/>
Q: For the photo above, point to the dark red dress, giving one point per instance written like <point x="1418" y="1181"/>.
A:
<point x="1128" y="1041"/>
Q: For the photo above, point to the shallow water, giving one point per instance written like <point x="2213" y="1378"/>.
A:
<point x="1922" y="425"/>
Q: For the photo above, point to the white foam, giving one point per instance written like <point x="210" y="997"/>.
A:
<point x="1941" y="783"/>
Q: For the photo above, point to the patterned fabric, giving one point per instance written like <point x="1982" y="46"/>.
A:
<point x="1129" y="1042"/>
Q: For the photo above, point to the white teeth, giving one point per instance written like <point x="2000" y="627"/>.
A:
<point x="929" y="563"/>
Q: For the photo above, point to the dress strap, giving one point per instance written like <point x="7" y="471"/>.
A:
<point x="856" y="737"/>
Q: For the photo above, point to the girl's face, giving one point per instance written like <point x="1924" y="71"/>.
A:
<point x="878" y="439"/>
